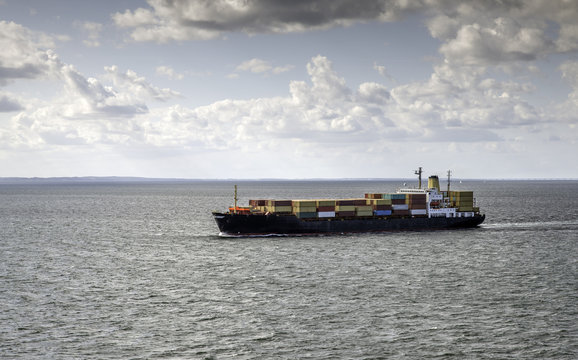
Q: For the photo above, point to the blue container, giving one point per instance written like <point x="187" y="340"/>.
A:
<point x="382" y="212"/>
<point x="393" y="196"/>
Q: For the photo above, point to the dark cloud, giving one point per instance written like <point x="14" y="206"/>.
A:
<point x="181" y="19"/>
<point x="24" y="71"/>
<point x="7" y="104"/>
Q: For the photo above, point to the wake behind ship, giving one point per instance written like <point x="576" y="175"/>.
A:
<point x="407" y="209"/>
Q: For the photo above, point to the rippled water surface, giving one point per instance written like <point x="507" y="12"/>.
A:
<point x="137" y="271"/>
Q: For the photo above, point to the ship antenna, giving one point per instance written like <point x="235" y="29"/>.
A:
<point x="418" y="173"/>
<point x="235" y="208"/>
<point x="449" y="176"/>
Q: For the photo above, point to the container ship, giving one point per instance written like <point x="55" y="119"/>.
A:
<point x="407" y="209"/>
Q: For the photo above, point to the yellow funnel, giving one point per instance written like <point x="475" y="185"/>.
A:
<point x="433" y="182"/>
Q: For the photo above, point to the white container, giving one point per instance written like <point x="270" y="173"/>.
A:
<point x="400" y="207"/>
<point x="326" y="214"/>
<point x="418" y="212"/>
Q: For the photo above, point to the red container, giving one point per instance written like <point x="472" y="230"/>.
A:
<point x="382" y="207"/>
<point x="326" y="208"/>
<point x="400" y="212"/>
<point x="398" y="201"/>
<point x="345" y="213"/>
<point x="418" y="197"/>
<point x="345" y="202"/>
<point x="282" y="203"/>
<point x="418" y="206"/>
<point x="359" y="202"/>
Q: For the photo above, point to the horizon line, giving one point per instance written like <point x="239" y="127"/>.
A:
<point x="156" y="179"/>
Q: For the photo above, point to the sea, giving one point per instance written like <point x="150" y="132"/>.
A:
<point x="137" y="270"/>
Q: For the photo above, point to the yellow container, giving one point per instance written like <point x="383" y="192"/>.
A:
<point x="281" y="209"/>
<point x="304" y="209"/>
<point x="304" y="203"/>
<point x="345" y="208"/>
<point x="325" y="202"/>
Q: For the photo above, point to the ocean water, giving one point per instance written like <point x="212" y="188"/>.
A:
<point x="138" y="271"/>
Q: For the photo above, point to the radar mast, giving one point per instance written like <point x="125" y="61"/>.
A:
<point x="418" y="173"/>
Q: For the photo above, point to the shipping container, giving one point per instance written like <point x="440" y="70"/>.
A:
<point x="326" y="214"/>
<point x="304" y="203"/>
<point x="305" y="209"/>
<point x="418" y="206"/>
<point x="418" y="198"/>
<point x="306" y="215"/>
<point x="364" y="213"/>
<point x="326" y="208"/>
<point x="382" y="201"/>
<point x="364" y="208"/>
<point x="400" y="213"/>
<point x="345" y="213"/>
<point x="326" y="202"/>
<point x="278" y="203"/>
<point x="281" y="209"/>
<point x="398" y="201"/>
<point x="382" y="212"/>
<point x="344" y="203"/>
<point x="418" y="212"/>
<point x="394" y="196"/>
<point x="258" y="202"/>
<point x="383" y="207"/>
<point x="340" y="208"/>
<point x="399" y="207"/>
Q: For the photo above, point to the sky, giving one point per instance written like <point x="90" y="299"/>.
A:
<point x="253" y="89"/>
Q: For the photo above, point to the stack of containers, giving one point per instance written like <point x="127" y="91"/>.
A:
<point x="417" y="204"/>
<point x="259" y="205"/>
<point x="304" y="209"/>
<point x="464" y="200"/>
<point x="280" y="206"/>
<point x="398" y="204"/>
<point x="344" y="208"/>
<point x="325" y="208"/>
<point x="362" y="208"/>
<point x="380" y="206"/>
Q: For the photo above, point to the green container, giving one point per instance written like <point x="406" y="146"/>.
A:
<point x="306" y="215"/>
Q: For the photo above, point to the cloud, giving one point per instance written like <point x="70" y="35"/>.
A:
<point x="93" y="30"/>
<point x="25" y="54"/>
<point x="8" y="104"/>
<point x="258" y="66"/>
<point x="485" y="33"/>
<point x="569" y="108"/>
<point x="187" y="20"/>
<point x="169" y="72"/>
<point x="472" y="33"/>
<point x="138" y="86"/>
<point x="321" y="120"/>
<point x="84" y="110"/>
<point x="322" y="113"/>
<point x="505" y="41"/>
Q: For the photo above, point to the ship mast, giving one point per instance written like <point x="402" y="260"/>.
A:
<point x="418" y="173"/>
<point x="449" y="176"/>
<point x="235" y="208"/>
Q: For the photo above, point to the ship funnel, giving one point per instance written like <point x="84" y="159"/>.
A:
<point x="433" y="182"/>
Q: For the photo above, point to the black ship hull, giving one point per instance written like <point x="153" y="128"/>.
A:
<point x="272" y="224"/>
